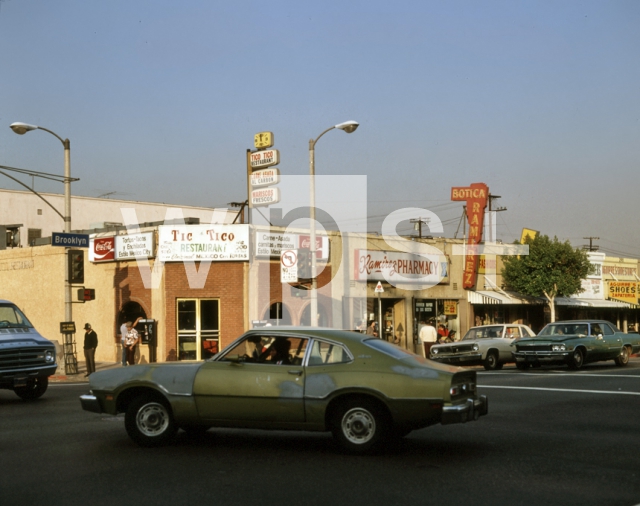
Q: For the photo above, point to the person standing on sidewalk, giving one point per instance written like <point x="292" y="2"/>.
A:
<point x="90" y="345"/>
<point x="131" y="341"/>
<point x="428" y="337"/>
<point x="123" y="337"/>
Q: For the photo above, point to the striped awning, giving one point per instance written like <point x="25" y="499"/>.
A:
<point x="502" y="297"/>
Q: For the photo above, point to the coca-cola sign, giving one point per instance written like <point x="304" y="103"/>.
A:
<point x="103" y="249"/>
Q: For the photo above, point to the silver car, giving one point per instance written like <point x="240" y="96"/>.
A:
<point x="487" y="345"/>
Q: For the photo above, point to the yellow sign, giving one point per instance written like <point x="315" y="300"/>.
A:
<point x="527" y="232"/>
<point x="487" y="265"/>
<point x="450" y="307"/>
<point x="263" y="140"/>
<point x="626" y="291"/>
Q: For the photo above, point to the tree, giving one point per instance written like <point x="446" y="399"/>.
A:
<point x="552" y="268"/>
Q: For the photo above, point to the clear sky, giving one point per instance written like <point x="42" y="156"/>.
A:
<point x="540" y="100"/>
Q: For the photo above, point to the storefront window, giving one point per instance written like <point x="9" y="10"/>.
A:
<point x="198" y="328"/>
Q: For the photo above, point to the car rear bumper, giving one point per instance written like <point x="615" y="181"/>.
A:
<point x="90" y="403"/>
<point x="469" y="411"/>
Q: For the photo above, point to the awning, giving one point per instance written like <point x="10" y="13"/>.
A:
<point x="579" y="302"/>
<point x="503" y="297"/>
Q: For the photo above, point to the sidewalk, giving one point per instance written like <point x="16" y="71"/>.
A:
<point x="82" y="370"/>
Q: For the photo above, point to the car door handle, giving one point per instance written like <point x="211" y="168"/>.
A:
<point x="296" y="372"/>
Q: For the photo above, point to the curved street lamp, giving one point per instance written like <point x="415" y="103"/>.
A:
<point x="23" y="128"/>
<point x="349" y="127"/>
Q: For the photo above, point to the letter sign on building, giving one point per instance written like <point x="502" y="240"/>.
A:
<point x="476" y="197"/>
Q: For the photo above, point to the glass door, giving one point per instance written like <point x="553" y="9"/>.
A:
<point x="198" y="328"/>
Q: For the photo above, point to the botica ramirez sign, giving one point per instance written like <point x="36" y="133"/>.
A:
<point x="121" y="247"/>
<point x="177" y="243"/>
<point x="396" y="267"/>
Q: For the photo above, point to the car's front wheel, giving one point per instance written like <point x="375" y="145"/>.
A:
<point x="577" y="359"/>
<point x="149" y="421"/>
<point x="491" y="363"/>
<point x="359" y="425"/>
<point x="623" y="358"/>
<point x="34" y="389"/>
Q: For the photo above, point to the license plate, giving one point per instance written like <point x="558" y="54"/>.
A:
<point x="20" y="382"/>
<point x="531" y="359"/>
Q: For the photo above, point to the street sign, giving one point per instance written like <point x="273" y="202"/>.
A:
<point x="265" y="197"/>
<point x="379" y="288"/>
<point x="289" y="266"/>
<point x="263" y="140"/>
<point x="265" y="177"/>
<point x="266" y="158"/>
<point x="68" y="240"/>
<point x="67" y="327"/>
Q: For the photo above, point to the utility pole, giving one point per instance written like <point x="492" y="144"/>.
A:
<point x="491" y="199"/>
<point x="418" y="225"/>
<point x="591" y="247"/>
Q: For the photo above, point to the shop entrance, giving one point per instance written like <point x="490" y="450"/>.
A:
<point x="390" y="316"/>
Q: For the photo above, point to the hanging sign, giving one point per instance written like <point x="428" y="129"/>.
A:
<point x="265" y="197"/>
<point x="266" y="158"/>
<point x="265" y="177"/>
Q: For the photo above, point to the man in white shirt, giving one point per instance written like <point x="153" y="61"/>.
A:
<point x="428" y="336"/>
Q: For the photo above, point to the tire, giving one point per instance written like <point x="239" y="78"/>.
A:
<point x="149" y="421"/>
<point x="622" y="359"/>
<point x="491" y="363"/>
<point x="34" y="389"/>
<point x="577" y="359"/>
<point x="522" y="366"/>
<point x="359" y="426"/>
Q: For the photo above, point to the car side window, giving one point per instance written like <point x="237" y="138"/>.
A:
<point x="513" y="333"/>
<point x="595" y="329"/>
<point x="608" y="331"/>
<point x="324" y="353"/>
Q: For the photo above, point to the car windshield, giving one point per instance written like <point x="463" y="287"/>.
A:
<point x="559" y="329"/>
<point x="12" y="317"/>
<point x="388" y="348"/>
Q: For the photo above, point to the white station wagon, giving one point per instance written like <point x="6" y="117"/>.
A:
<point x="487" y="345"/>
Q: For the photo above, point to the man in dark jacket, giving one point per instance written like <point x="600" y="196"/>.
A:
<point x="90" y="345"/>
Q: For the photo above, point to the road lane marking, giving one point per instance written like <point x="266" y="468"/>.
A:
<point x="555" y="374"/>
<point x="562" y="390"/>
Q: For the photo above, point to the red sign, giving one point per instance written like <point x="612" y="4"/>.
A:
<point x="476" y="197"/>
<point x="103" y="249"/>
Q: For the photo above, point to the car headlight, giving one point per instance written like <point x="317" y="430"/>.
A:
<point x="434" y="351"/>
<point x="558" y="347"/>
<point x="476" y="347"/>
<point x="49" y="356"/>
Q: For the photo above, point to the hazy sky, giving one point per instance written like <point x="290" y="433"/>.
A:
<point x="540" y="100"/>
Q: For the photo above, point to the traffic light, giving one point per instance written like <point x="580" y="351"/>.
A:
<point x="304" y="263"/>
<point x="75" y="263"/>
<point x="85" y="294"/>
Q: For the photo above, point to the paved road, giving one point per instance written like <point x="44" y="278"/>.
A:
<point x="552" y="437"/>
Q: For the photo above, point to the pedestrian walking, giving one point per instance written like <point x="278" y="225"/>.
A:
<point x="90" y="345"/>
<point x="428" y="337"/>
<point x="131" y="341"/>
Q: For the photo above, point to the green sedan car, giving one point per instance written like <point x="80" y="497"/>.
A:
<point x="575" y="343"/>
<point x="362" y="389"/>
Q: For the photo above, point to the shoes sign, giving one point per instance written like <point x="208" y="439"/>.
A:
<point x="261" y="171"/>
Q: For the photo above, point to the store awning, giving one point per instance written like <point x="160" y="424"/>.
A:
<point x="578" y="302"/>
<point x="502" y="297"/>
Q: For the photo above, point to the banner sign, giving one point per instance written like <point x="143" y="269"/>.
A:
<point x="203" y="242"/>
<point x="121" y="247"/>
<point x="476" y="197"/>
<point x="272" y="244"/>
<point x="625" y="291"/>
<point x="400" y="267"/>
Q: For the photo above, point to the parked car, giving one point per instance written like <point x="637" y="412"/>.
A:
<point x="486" y="345"/>
<point x="362" y="389"/>
<point x="26" y="358"/>
<point x="575" y="343"/>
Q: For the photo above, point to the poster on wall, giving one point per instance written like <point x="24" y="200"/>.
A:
<point x="177" y="243"/>
<point x="121" y="247"/>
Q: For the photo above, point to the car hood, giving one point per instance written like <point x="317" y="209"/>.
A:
<point x="22" y="337"/>
<point x="173" y="378"/>
<point x="548" y="339"/>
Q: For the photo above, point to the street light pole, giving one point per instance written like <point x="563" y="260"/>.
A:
<point x="21" y="129"/>
<point x="347" y="126"/>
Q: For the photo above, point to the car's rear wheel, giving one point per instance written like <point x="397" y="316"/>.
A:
<point x="34" y="389"/>
<point x="359" y="425"/>
<point x="623" y="358"/>
<point x="577" y="359"/>
<point x="491" y="363"/>
<point x="149" y="421"/>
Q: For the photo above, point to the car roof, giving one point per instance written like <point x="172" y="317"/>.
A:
<point x="319" y="332"/>
<point x="581" y="321"/>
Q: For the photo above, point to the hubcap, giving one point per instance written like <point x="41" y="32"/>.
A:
<point x="152" y="419"/>
<point x="358" y="425"/>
